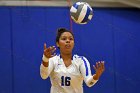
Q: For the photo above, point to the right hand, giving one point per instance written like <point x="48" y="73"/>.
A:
<point x="49" y="52"/>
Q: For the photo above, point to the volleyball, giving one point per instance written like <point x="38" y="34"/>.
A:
<point x="81" y="12"/>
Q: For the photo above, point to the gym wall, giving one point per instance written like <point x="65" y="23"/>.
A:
<point x="112" y="35"/>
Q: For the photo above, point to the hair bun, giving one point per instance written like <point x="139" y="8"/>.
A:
<point x="61" y="29"/>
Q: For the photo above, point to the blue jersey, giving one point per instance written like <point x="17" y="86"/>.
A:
<point x="68" y="79"/>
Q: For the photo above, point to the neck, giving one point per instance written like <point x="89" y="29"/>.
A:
<point x="66" y="56"/>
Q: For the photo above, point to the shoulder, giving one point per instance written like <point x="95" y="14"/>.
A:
<point x="80" y="58"/>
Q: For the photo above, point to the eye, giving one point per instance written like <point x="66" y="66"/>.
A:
<point x="71" y="38"/>
<point x="63" y="38"/>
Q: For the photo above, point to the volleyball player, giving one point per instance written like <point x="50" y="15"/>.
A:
<point x="66" y="71"/>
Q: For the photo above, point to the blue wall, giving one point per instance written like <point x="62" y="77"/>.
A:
<point x="112" y="35"/>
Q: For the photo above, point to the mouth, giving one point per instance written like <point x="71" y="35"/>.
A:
<point x="67" y="46"/>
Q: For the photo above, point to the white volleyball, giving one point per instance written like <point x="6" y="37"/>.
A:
<point x="81" y="12"/>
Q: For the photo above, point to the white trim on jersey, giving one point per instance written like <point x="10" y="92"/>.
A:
<point x="68" y="79"/>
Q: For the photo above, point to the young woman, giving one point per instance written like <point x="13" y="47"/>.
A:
<point x="67" y="71"/>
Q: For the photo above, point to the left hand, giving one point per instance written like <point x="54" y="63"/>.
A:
<point x="99" y="69"/>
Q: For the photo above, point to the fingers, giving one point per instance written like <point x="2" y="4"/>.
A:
<point x="102" y="65"/>
<point x="53" y="49"/>
<point x="94" y="67"/>
<point x="45" y="46"/>
<point x="53" y="55"/>
<point x="97" y="64"/>
<point x="99" y="67"/>
<point x="49" y="52"/>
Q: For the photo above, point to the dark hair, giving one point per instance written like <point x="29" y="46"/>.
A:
<point x="60" y="31"/>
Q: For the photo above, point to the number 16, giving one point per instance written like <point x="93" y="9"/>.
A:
<point x="65" y="81"/>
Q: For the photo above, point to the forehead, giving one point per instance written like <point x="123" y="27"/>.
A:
<point x="66" y="34"/>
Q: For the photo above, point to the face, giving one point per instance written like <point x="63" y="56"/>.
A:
<point x="66" y="43"/>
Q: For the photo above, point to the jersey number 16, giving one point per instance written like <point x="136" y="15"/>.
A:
<point x="65" y="81"/>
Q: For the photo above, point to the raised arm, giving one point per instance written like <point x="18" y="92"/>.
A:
<point x="47" y="64"/>
<point x="85" y="70"/>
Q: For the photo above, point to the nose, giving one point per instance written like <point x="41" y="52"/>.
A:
<point x="67" y="41"/>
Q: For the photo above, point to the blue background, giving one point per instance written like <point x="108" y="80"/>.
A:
<point x="112" y="35"/>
